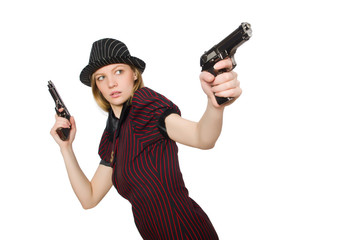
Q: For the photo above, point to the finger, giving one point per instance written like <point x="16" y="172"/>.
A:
<point x="62" y="119"/>
<point x="207" y="77"/>
<point x="62" y="122"/>
<point x="234" y="93"/>
<point x="59" y="110"/>
<point x="62" y="125"/>
<point x="225" y="77"/>
<point x="226" y="86"/>
<point x="224" y="64"/>
<point x="72" y="122"/>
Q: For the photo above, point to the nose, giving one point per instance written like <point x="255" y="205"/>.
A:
<point x="112" y="82"/>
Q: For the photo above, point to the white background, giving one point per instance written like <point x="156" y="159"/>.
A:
<point x="288" y="163"/>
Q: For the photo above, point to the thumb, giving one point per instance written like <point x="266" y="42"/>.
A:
<point x="72" y="121"/>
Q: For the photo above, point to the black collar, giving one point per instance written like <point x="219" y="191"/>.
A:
<point x="114" y="123"/>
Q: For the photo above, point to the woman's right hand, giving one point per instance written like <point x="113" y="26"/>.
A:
<point x="61" y="122"/>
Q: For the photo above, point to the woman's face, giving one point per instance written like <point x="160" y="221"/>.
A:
<point x="115" y="82"/>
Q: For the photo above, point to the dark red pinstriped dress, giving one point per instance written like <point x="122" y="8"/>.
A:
<point x="146" y="171"/>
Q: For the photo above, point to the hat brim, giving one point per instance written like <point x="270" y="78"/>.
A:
<point x="87" y="72"/>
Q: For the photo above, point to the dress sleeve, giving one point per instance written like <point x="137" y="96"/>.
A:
<point x="149" y="110"/>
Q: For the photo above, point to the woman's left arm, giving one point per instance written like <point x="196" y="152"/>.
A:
<point x="204" y="134"/>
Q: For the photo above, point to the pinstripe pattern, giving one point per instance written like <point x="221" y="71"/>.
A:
<point x="147" y="173"/>
<point x="108" y="51"/>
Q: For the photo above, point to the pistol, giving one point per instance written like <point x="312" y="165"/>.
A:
<point x="225" y="49"/>
<point x="63" y="133"/>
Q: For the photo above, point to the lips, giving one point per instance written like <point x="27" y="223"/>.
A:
<point x="116" y="94"/>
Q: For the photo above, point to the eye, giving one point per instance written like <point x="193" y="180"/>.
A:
<point x="100" y="78"/>
<point x="119" y="71"/>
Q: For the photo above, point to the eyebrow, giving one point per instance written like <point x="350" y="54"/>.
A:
<point x="101" y="73"/>
<point x="118" y="65"/>
<point x="95" y="75"/>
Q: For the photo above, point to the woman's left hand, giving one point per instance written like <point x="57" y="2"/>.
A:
<point x="223" y="85"/>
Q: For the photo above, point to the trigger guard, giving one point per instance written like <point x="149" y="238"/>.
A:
<point x="57" y="111"/>
<point x="233" y="62"/>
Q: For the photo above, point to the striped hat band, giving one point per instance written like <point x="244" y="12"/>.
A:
<point x="108" y="51"/>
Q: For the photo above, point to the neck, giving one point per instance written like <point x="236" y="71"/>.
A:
<point x="117" y="110"/>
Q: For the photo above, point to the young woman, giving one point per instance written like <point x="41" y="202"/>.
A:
<point x="138" y="150"/>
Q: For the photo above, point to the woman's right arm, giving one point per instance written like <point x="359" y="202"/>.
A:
<point x="89" y="193"/>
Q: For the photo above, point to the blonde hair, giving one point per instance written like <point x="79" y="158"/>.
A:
<point x="102" y="102"/>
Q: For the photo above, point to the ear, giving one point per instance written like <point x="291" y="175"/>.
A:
<point x="135" y="77"/>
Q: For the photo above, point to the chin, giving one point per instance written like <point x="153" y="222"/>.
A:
<point x="119" y="101"/>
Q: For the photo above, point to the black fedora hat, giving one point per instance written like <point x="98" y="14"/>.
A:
<point x="108" y="51"/>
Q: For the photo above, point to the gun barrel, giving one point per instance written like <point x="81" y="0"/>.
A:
<point x="235" y="39"/>
<point x="53" y="91"/>
<point x="227" y="47"/>
<point x="56" y="97"/>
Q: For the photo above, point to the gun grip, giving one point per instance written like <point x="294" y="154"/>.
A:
<point x="63" y="133"/>
<point x="222" y="100"/>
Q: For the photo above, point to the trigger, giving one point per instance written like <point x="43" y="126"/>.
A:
<point x="56" y="110"/>
<point x="233" y="62"/>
